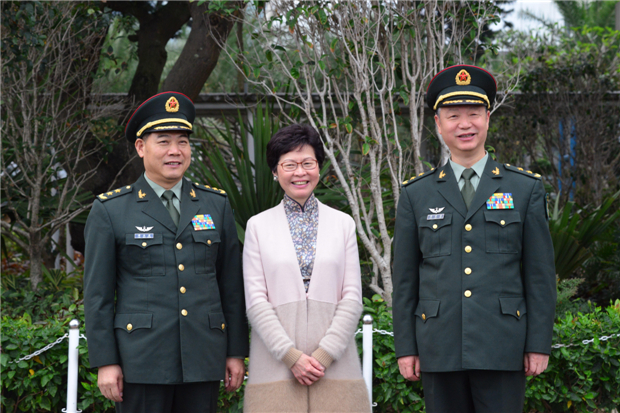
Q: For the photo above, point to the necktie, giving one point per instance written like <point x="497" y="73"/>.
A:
<point x="468" y="190"/>
<point x="174" y="214"/>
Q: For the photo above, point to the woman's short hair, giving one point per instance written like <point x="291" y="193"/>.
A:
<point x="291" y="138"/>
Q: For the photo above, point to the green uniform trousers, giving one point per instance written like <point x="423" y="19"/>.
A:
<point x="169" y="398"/>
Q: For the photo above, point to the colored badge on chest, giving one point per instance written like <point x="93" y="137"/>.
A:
<point x="501" y="201"/>
<point x="144" y="235"/>
<point x="201" y="222"/>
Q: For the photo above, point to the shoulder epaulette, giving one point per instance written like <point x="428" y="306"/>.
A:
<point x="114" y="193"/>
<point x="209" y="188"/>
<point x="419" y="177"/>
<point x="522" y="171"/>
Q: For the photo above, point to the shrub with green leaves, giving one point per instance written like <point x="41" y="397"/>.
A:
<point x="581" y="377"/>
<point x="31" y="320"/>
<point x="391" y="391"/>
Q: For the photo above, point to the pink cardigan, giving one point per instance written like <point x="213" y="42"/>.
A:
<point x="287" y="322"/>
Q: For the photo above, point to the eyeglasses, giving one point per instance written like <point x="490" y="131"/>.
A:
<point x="290" y="166"/>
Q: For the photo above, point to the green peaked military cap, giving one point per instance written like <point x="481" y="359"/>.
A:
<point x="167" y="111"/>
<point x="461" y="85"/>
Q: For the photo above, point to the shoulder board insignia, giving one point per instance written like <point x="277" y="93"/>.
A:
<point x="209" y="188"/>
<point x="419" y="177"/>
<point x="522" y="171"/>
<point x="114" y="193"/>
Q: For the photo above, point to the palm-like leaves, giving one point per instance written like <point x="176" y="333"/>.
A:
<point x="249" y="185"/>
<point x="574" y="233"/>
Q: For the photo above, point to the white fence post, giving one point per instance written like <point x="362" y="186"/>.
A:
<point x="72" y="374"/>
<point x="367" y="352"/>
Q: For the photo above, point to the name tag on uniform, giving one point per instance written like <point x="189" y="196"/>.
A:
<point x="202" y="222"/>
<point x="143" y="235"/>
<point x="431" y="217"/>
<point x="501" y="201"/>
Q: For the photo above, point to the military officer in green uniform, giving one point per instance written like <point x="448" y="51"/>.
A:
<point x="474" y="276"/>
<point x="163" y="287"/>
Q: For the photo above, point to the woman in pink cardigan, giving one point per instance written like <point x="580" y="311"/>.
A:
<point x="302" y="291"/>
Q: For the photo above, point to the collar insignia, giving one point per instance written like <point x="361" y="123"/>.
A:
<point x="141" y="194"/>
<point x="495" y="171"/>
<point x="442" y="174"/>
<point x="192" y="193"/>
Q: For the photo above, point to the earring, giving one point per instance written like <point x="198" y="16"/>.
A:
<point x="275" y="178"/>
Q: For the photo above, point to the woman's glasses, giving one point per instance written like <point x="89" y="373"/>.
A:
<point x="290" y="166"/>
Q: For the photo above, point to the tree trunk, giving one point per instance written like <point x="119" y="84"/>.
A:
<point x="201" y="52"/>
<point x="187" y="76"/>
<point x="36" y="259"/>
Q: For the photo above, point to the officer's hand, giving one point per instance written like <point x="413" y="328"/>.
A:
<point x="410" y="367"/>
<point x="307" y="370"/>
<point x="235" y="370"/>
<point x="535" y="363"/>
<point x="110" y="382"/>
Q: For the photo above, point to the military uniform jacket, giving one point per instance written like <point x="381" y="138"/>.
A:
<point x="473" y="289"/>
<point x="179" y="309"/>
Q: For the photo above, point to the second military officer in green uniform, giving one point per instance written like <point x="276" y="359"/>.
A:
<point x="474" y="277"/>
<point x="163" y="288"/>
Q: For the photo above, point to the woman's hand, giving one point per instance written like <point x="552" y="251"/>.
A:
<point x="307" y="370"/>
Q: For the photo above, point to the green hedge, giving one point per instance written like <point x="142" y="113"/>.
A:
<point x="579" y="378"/>
<point x="30" y="321"/>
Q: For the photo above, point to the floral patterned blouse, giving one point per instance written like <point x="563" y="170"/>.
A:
<point x="303" y="223"/>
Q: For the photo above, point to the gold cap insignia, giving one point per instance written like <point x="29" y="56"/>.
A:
<point x="442" y="174"/>
<point x="192" y="193"/>
<point x="463" y="78"/>
<point x="495" y="171"/>
<point x="141" y="194"/>
<point x="172" y="105"/>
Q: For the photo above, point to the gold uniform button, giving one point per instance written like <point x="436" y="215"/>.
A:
<point x="467" y="293"/>
<point x="144" y="244"/>
<point x="423" y="316"/>
<point x="518" y="313"/>
<point x="468" y="227"/>
<point x="179" y="246"/>
<point x="181" y="267"/>
<point x="208" y="242"/>
<point x="468" y="249"/>
<point x="502" y="222"/>
<point x="129" y="327"/>
<point x="223" y="326"/>
<point x="184" y="312"/>
<point x="435" y="226"/>
<point x="182" y="289"/>
<point x="467" y="270"/>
